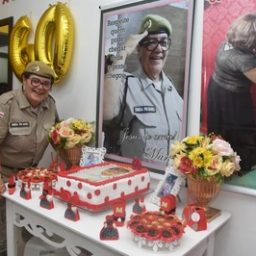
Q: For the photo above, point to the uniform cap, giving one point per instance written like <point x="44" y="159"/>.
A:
<point x="40" y="68"/>
<point x="155" y="24"/>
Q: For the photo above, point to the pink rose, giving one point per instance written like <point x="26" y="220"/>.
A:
<point x="66" y="132"/>
<point x="222" y="147"/>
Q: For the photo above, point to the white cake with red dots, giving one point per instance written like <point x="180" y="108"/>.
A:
<point x="99" y="186"/>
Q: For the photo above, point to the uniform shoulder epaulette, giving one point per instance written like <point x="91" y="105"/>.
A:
<point x="51" y="97"/>
<point x="6" y="97"/>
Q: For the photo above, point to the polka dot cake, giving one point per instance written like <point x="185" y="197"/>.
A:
<point x="97" y="187"/>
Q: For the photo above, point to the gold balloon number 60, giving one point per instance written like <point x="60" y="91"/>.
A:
<point x="54" y="39"/>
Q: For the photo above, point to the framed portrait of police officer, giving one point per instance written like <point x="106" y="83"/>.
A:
<point x="143" y="79"/>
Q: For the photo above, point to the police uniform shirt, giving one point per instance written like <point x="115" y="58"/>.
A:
<point x="24" y="130"/>
<point x="152" y="118"/>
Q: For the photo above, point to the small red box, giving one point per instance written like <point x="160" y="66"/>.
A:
<point x="195" y="217"/>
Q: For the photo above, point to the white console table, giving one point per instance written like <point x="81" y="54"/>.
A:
<point x="85" y="232"/>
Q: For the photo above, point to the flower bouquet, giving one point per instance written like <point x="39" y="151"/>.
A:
<point x="205" y="160"/>
<point x="69" y="136"/>
<point x="205" y="157"/>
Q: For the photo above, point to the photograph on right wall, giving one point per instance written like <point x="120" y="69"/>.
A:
<point x="228" y="105"/>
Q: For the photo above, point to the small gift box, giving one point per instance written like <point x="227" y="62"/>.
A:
<point x="195" y="217"/>
<point x="168" y="204"/>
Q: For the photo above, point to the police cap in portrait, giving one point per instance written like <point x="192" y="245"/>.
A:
<point x="155" y="24"/>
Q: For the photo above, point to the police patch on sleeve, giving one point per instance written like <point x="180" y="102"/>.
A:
<point x="145" y="109"/>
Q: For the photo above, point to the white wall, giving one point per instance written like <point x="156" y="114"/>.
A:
<point x="77" y="97"/>
<point x="238" y="237"/>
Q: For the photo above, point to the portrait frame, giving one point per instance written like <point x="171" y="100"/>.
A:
<point x="214" y="34"/>
<point x="182" y="12"/>
<point x="170" y="184"/>
<point x="92" y="155"/>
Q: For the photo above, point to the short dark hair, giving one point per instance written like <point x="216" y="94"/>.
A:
<point x="242" y="33"/>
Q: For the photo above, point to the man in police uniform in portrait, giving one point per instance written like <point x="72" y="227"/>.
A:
<point x="145" y="104"/>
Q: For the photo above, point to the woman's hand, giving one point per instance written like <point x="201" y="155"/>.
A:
<point x="114" y="78"/>
<point x="133" y="41"/>
<point x="251" y="75"/>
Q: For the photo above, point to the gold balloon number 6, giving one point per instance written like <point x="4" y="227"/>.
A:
<point x="53" y="44"/>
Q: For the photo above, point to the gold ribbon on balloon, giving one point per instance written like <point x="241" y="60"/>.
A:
<point x="54" y="39"/>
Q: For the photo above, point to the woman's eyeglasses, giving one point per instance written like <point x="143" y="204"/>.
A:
<point x="152" y="43"/>
<point x="36" y="82"/>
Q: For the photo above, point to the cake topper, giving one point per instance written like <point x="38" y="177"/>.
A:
<point x="46" y="199"/>
<point x="25" y="191"/>
<point x="139" y="206"/>
<point x="11" y="184"/>
<point x="72" y="212"/>
<point x="136" y="164"/>
<point x="109" y="232"/>
<point x="119" y="212"/>
<point x="168" y="204"/>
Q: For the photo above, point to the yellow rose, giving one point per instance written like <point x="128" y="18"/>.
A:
<point x="227" y="168"/>
<point x="73" y="141"/>
<point x="214" y="165"/>
<point x="88" y="128"/>
<point x="86" y="137"/>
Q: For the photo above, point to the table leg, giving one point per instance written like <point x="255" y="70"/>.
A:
<point x="10" y="230"/>
<point x="210" y="245"/>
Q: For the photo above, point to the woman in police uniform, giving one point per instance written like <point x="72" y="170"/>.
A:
<point x="26" y="114"/>
<point x="146" y="105"/>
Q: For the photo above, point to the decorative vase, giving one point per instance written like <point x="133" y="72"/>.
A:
<point x="202" y="192"/>
<point x="71" y="156"/>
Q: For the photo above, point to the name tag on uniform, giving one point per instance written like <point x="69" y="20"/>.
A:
<point x="145" y="109"/>
<point x="19" y="124"/>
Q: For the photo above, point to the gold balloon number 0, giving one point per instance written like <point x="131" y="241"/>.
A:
<point x="53" y="44"/>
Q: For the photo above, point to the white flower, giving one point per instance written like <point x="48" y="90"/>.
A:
<point x="67" y="122"/>
<point x="237" y="162"/>
<point x="222" y="147"/>
<point x="177" y="147"/>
